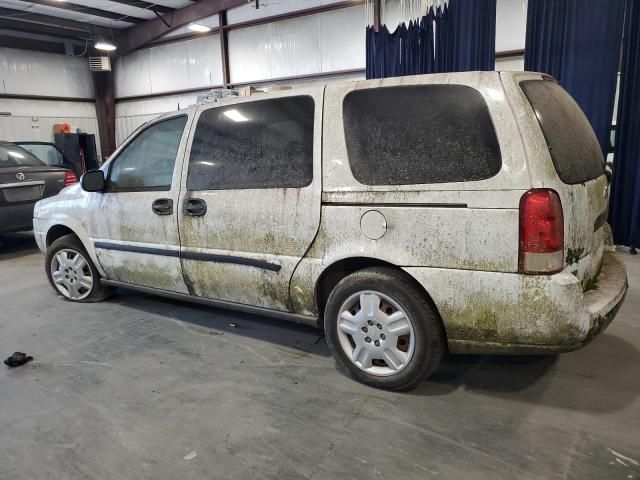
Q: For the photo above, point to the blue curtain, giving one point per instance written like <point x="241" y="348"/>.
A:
<point x="578" y="43"/>
<point x="471" y="37"/>
<point x="458" y="37"/>
<point x="409" y="50"/>
<point x="624" y="214"/>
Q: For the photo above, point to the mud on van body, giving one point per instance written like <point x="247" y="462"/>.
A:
<point x="407" y="216"/>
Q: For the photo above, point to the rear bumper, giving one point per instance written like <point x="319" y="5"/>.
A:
<point x="16" y="218"/>
<point x="603" y="303"/>
<point x="505" y="313"/>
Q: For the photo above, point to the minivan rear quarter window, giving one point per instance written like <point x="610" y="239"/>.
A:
<point x="257" y="144"/>
<point x="573" y="145"/>
<point x="420" y="134"/>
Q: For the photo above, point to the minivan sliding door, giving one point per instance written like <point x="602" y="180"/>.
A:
<point x="250" y="202"/>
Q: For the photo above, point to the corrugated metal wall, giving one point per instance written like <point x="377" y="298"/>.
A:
<point x="30" y="73"/>
<point x="24" y="72"/>
<point x="318" y="45"/>
<point x="315" y="44"/>
<point x="34" y="119"/>
<point x="176" y="66"/>
<point x="131" y="114"/>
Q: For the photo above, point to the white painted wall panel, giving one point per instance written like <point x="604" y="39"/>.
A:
<point x="34" y="119"/>
<point x="166" y="68"/>
<point x="169" y="67"/>
<point x="205" y="62"/>
<point x="132" y="74"/>
<point x="131" y="114"/>
<point x="274" y="50"/>
<point x="342" y="39"/>
<point x="247" y="12"/>
<point x="511" y="64"/>
<point x="25" y="72"/>
<point x="321" y="43"/>
<point x="511" y="25"/>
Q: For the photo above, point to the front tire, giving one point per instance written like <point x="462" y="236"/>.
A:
<point x="71" y="272"/>
<point x="382" y="330"/>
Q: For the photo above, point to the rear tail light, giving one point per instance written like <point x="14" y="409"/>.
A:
<point x="541" y="232"/>
<point x="69" y="178"/>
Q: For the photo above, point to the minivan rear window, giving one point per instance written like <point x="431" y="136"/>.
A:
<point x="573" y="145"/>
<point x="419" y="134"/>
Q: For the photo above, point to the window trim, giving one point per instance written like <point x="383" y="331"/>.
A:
<point x="109" y="189"/>
<point x="256" y="100"/>
<point x="385" y="186"/>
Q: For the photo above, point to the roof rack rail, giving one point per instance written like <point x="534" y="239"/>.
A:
<point x="221" y="94"/>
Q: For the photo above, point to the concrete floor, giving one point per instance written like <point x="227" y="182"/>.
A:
<point x="141" y="387"/>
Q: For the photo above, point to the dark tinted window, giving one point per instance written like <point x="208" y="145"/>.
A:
<point x="13" y="156"/>
<point x="147" y="162"/>
<point x="574" y="148"/>
<point x="261" y="144"/>
<point x="419" y="134"/>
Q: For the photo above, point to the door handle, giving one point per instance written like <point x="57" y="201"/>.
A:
<point x="162" y="206"/>
<point x="195" y="207"/>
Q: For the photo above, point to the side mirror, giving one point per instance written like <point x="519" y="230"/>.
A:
<point x="93" y="181"/>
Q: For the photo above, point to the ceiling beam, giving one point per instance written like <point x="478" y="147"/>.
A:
<point x="27" y="27"/>
<point x="32" y="44"/>
<point x="96" y="12"/>
<point x="142" y="34"/>
<point x="154" y="7"/>
<point x="64" y="26"/>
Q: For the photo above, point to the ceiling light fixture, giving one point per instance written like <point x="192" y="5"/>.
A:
<point x="197" y="27"/>
<point x="106" y="46"/>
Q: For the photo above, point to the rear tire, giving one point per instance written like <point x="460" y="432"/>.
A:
<point x="71" y="272"/>
<point x="382" y="330"/>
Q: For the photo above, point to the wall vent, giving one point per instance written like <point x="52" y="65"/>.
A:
<point x="99" y="64"/>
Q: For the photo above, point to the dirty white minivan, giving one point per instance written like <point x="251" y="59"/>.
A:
<point x="409" y="217"/>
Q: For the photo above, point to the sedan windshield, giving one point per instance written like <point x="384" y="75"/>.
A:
<point x="14" y="156"/>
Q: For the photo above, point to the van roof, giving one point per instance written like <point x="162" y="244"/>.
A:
<point x="447" y="77"/>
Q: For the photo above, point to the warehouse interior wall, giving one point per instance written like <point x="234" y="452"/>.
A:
<point x="26" y="75"/>
<point x="328" y="46"/>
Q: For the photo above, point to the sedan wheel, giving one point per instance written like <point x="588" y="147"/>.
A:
<point x="71" y="274"/>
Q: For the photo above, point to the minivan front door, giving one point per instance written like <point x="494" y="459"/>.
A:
<point x="250" y="202"/>
<point x="135" y="231"/>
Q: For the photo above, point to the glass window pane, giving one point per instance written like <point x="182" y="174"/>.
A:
<point x="419" y="134"/>
<point x="47" y="153"/>
<point x="147" y="163"/>
<point x="260" y="144"/>
<point x="14" y="156"/>
<point x="573" y="145"/>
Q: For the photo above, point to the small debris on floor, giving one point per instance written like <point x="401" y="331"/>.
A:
<point x="190" y="456"/>
<point x="213" y="332"/>
<point x="17" y="359"/>
<point x="233" y="325"/>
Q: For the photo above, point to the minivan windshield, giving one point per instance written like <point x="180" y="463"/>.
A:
<point x="573" y="145"/>
<point x="14" y="156"/>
